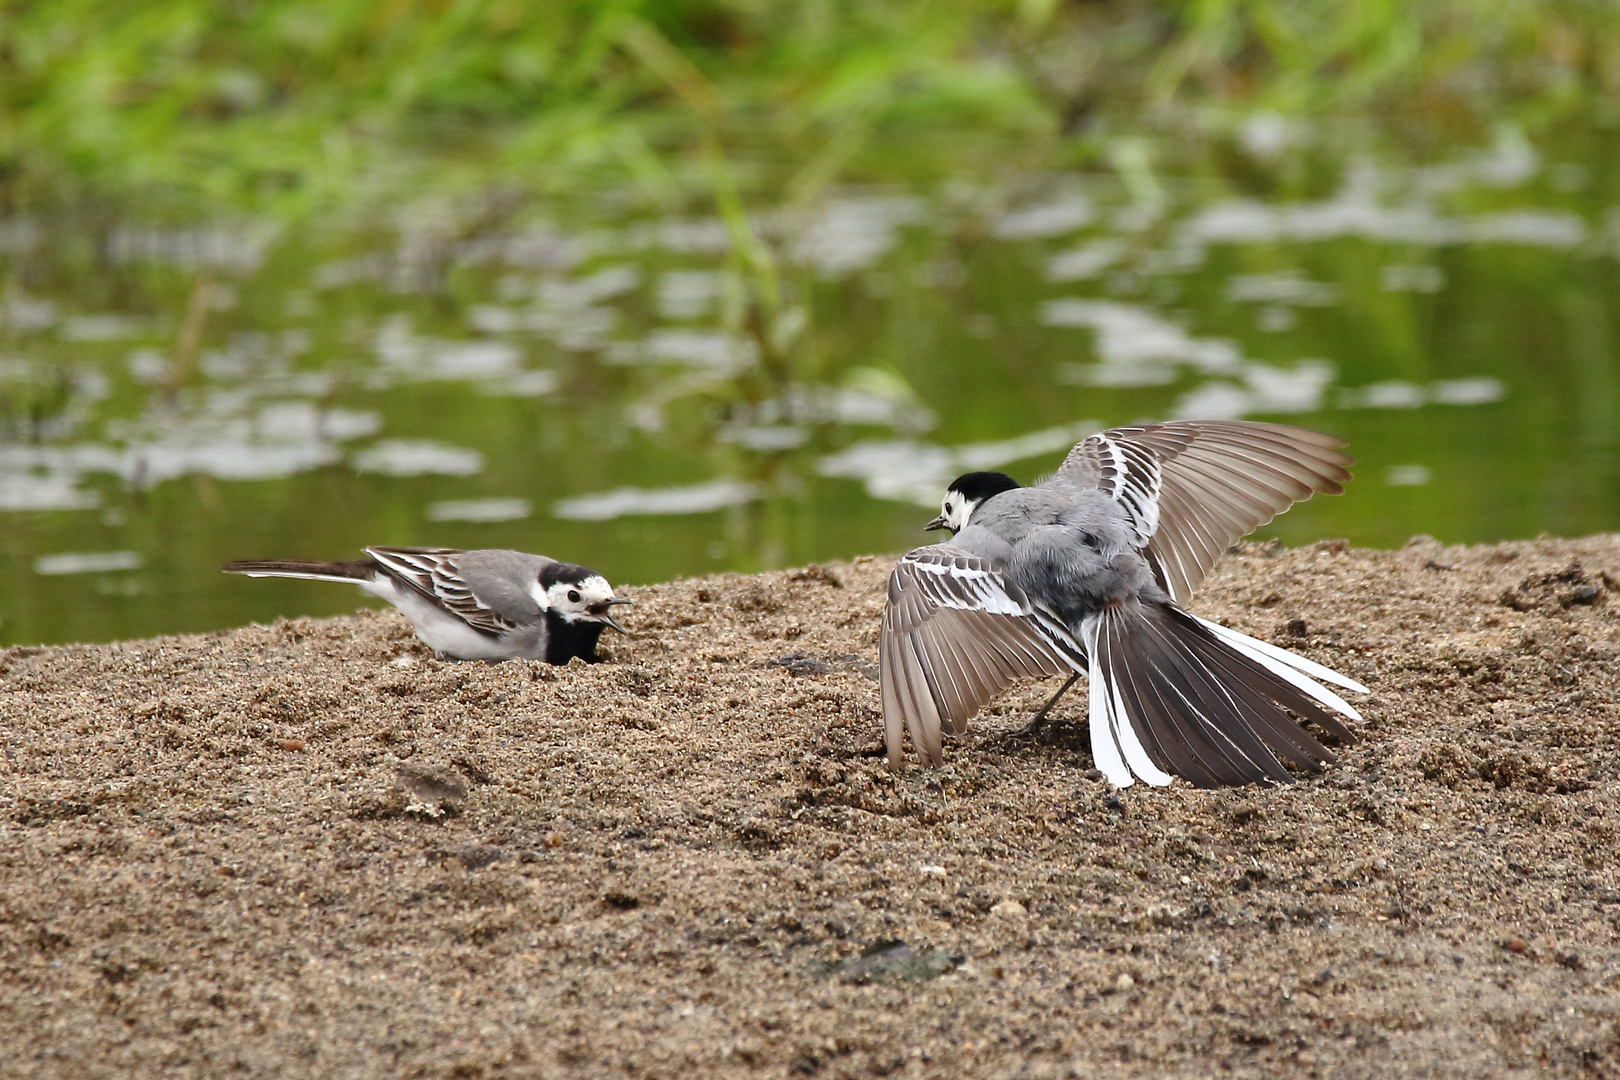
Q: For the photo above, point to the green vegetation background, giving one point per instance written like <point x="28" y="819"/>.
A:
<point x="294" y="106"/>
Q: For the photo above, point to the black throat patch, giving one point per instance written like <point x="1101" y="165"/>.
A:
<point x="566" y="640"/>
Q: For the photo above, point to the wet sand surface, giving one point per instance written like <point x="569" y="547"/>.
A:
<point x="311" y="849"/>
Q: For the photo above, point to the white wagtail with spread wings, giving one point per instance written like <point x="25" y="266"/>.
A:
<point x="490" y="604"/>
<point x="1088" y="573"/>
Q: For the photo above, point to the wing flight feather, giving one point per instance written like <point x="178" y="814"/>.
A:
<point x="432" y="574"/>
<point x="1192" y="488"/>
<point x="955" y="632"/>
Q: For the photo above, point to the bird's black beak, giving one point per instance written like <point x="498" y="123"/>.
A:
<point x="937" y="523"/>
<point x="604" y="611"/>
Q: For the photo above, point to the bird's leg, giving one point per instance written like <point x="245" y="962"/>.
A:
<point x="1034" y="726"/>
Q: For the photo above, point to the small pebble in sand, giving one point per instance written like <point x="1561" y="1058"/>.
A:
<point x="1009" y="909"/>
<point x="430" y="787"/>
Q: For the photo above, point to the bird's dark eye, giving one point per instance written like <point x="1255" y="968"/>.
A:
<point x="573" y="596"/>
<point x="1089" y="540"/>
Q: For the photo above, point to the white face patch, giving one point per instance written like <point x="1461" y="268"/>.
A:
<point x="956" y="510"/>
<point x="574" y="601"/>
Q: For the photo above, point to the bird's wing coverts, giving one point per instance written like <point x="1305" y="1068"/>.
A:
<point x="432" y="574"/>
<point x="955" y="632"/>
<point x="1192" y="488"/>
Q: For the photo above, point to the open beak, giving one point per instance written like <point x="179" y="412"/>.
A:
<point x="937" y="523"/>
<point x="604" y="611"/>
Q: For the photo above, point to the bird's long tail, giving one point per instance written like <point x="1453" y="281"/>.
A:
<point x="358" y="572"/>
<point x="1173" y="693"/>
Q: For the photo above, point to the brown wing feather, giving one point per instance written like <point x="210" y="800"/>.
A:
<point x="1217" y="481"/>
<point x="432" y="574"/>
<point x="954" y="635"/>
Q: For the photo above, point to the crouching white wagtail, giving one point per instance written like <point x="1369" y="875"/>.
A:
<point x="490" y="604"/>
<point x="1087" y="573"/>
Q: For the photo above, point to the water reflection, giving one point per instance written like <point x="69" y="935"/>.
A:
<point x="628" y="391"/>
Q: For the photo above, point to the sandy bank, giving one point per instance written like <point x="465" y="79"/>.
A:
<point x="668" y="865"/>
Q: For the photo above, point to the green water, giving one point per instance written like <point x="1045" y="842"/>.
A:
<point x="177" y="394"/>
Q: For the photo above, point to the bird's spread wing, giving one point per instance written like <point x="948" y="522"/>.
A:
<point x="955" y="632"/>
<point x="1192" y="488"/>
<point x="432" y="574"/>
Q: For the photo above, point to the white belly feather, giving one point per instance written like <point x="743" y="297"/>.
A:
<point x="447" y="634"/>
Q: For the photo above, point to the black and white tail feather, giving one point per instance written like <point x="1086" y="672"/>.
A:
<point x="1169" y="693"/>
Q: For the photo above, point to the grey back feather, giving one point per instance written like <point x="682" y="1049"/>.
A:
<point x="501" y="579"/>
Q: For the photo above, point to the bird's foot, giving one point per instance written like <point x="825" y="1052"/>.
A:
<point x="1031" y="729"/>
<point x="1040" y="720"/>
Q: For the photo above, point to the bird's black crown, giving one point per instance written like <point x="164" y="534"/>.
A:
<point x="979" y="486"/>
<point x="553" y="573"/>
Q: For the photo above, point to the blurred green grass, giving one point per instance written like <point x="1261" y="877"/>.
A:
<point x="294" y="106"/>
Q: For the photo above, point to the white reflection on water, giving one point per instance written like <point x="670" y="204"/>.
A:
<point x="539" y="247"/>
<point x="1407" y="475"/>
<point x="568" y="311"/>
<point x="1418" y="279"/>
<point x="537" y="383"/>
<point x="1214" y="401"/>
<point x="235" y="248"/>
<point x="626" y="501"/>
<point x="1115" y="375"/>
<point x="44" y="491"/>
<point x="712" y="351"/>
<point x="1393" y="394"/>
<point x="850" y="234"/>
<point x="1510" y="162"/>
<point x="479" y="510"/>
<point x="229" y="437"/>
<point x="23" y="314"/>
<point x="1085" y="261"/>
<point x="102" y="327"/>
<point x="417" y="457"/>
<point x="1130" y="338"/>
<point x="87" y="562"/>
<point x="19" y="235"/>
<point x="230" y="456"/>
<point x="409" y="356"/>
<point x="301" y="421"/>
<point x="345" y="272"/>
<point x="873" y="398"/>
<point x="1048" y="219"/>
<point x="905" y="470"/>
<point x="686" y="237"/>
<point x="1283" y="390"/>
<point x="1250" y="222"/>
<point x="1266" y="134"/>
<point x="605" y="284"/>
<point x="1399" y="394"/>
<point x="765" y="437"/>
<point x="687" y="294"/>
<point x="1478" y="391"/>
<point x="1285" y="288"/>
<point x="1265" y="389"/>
